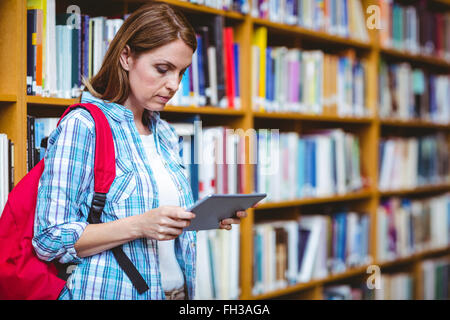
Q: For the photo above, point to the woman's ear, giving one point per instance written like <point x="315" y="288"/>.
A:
<point x="126" y="58"/>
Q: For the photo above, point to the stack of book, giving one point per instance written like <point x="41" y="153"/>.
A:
<point x="435" y="279"/>
<point x="218" y="264"/>
<point x="408" y="226"/>
<point x="289" y="252"/>
<point x="6" y="169"/>
<point x="409" y="93"/>
<point x="318" y="164"/>
<point x="295" y="80"/>
<point x="344" y="18"/>
<point x="406" y="163"/>
<point x="415" y="29"/>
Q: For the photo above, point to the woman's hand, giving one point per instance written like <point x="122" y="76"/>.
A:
<point x="164" y="223"/>
<point x="226" y="223"/>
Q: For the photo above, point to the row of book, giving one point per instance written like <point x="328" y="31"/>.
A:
<point x="408" y="93"/>
<point x="289" y="252"/>
<point x="397" y="286"/>
<point x="433" y="283"/>
<point x="295" y="80"/>
<point x="344" y="18"/>
<point x="213" y="77"/>
<point x="218" y="264"/>
<point x="63" y="48"/>
<point x="6" y="169"/>
<point x="414" y="28"/>
<point x="413" y="161"/>
<point x="321" y="163"/>
<point x="38" y="131"/>
<point x="436" y="274"/>
<point x="407" y="226"/>
<point x="214" y="157"/>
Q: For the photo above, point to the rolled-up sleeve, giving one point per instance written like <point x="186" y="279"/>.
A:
<point x="63" y="188"/>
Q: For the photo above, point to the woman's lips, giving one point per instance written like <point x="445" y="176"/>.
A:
<point x="163" y="99"/>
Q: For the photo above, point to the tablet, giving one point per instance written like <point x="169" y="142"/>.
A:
<point x="213" y="208"/>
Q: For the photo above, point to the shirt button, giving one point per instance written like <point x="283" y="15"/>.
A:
<point x="193" y="245"/>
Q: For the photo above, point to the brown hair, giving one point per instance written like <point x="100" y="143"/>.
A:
<point x="151" y="26"/>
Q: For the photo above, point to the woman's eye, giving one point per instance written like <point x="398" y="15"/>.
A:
<point x="161" y="70"/>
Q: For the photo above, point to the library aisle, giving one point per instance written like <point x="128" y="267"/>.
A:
<point x="339" y="110"/>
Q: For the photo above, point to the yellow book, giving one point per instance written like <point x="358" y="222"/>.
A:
<point x="260" y="40"/>
<point x="41" y="4"/>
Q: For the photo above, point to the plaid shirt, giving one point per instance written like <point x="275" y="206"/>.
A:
<point x="65" y="194"/>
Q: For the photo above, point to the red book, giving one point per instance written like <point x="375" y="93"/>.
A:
<point x="230" y="81"/>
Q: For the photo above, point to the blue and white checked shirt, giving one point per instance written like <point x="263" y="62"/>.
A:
<point x="65" y="194"/>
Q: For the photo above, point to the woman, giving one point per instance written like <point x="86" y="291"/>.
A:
<point x="144" y="211"/>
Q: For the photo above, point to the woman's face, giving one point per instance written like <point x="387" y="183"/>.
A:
<point x="155" y="75"/>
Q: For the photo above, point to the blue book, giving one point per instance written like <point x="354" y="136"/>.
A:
<point x="308" y="168"/>
<point x="269" y="75"/>
<point x="342" y="235"/>
<point x="345" y="19"/>
<point x="236" y="49"/>
<point x="201" y="70"/>
<point x="313" y="161"/>
<point x="185" y="87"/>
<point x="301" y="167"/>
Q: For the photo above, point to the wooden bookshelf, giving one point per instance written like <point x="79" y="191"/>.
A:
<point x="8" y="98"/>
<point x="413" y="124"/>
<point x="318" y="36"/>
<point x="15" y="104"/>
<point x="311" y="117"/>
<point x="418" y="58"/>
<point x="418" y="190"/>
<point x="358" y="195"/>
<point x="36" y="100"/>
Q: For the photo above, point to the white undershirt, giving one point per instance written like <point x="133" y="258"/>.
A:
<point x="171" y="274"/>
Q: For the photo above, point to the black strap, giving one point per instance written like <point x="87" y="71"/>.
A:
<point x="98" y="203"/>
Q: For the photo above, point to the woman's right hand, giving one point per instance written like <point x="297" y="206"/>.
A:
<point x="164" y="223"/>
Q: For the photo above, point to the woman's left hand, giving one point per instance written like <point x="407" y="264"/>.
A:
<point x="226" y="223"/>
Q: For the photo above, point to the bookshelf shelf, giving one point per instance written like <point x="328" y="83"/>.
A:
<point x="308" y="201"/>
<point x="313" y="283"/>
<point x="50" y="101"/>
<point x="414" y="257"/>
<point x="418" y="58"/>
<point x="204" y="110"/>
<point x="8" y="98"/>
<point x="353" y="272"/>
<point x="311" y="117"/>
<point x="413" y="124"/>
<point x="193" y="7"/>
<point x="418" y="190"/>
<point x="305" y="33"/>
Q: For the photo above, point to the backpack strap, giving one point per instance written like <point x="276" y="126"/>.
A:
<point x="104" y="174"/>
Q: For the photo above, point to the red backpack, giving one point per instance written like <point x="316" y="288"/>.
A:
<point x="23" y="276"/>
